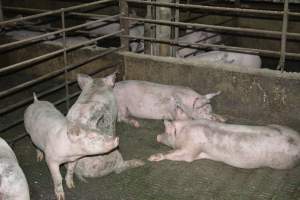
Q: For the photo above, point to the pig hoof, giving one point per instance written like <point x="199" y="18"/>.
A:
<point x="70" y="183"/>
<point x="135" y="123"/>
<point x="39" y="156"/>
<point x="156" y="157"/>
<point x="60" y="196"/>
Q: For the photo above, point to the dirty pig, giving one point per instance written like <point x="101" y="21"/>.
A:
<point x="143" y="99"/>
<point x="240" y="146"/>
<point x="62" y="141"/>
<point x="96" y="107"/>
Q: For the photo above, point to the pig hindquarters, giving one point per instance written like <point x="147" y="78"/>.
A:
<point x="149" y="100"/>
<point x="241" y="146"/>
<point x="62" y="141"/>
<point x="13" y="184"/>
<point x="96" y="107"/>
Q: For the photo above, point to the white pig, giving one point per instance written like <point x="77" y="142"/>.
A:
<point x="96" y="107"/>
<point x="241" y="146"/>
<point x="223" y="57"/>
<point x="13" y="184"/>
<point x="143" y="99"/>
<point x="61" y="140"/>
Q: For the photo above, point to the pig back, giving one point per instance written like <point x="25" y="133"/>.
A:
<point x="42" y="120"/>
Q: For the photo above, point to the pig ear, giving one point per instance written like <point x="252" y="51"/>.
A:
<point x="84" y="80"/>
<point x="211" y="95"/>
<point x="110" y="80"/>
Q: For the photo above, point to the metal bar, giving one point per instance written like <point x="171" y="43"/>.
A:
<point x="247" y="30"/>
<point x="1" y="11"/>
<point x="221" y="47"/>
<point x="23" y="64"/>
<point x="45" y="77"/>
<point x="209" y="8"/>
<point x="56" y="11"/>
<point x="124" y="23"/>
<point x="55" y="103"/>
<point x="9" y="45"/>
<point x="65" y="61"/>
<point x="283" y="37"/>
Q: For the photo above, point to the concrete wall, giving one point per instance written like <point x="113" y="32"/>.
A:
<point x="258" y="96"/>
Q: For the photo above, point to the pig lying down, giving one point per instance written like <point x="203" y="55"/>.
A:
<point x="96" y="108"/>
<point x="13" y="184"/>
<point x="142" y="99"/>
<point x="241" y="146"/>
<point x="62" y="141"/>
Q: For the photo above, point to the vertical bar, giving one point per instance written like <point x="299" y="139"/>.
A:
<point x="124" y="23"/>
<point x="175" y="29"/>
<point x="148" y="30"/>
<point x="65" y="59"/>
<point x="1" y="11"/>
<point x="283" y="36"/>
<point x="189" y="14"/>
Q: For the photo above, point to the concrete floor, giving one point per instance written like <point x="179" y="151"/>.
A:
<point x="166" y="180"/>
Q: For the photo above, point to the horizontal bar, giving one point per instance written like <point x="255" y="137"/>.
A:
<point x="55" y="103"/>
<point x="248" y="30"/>
<point x="221" y="47"/>
<point x="210" y="8"/>
<point x="55" y="11"/>
<point x="11" y="44"/>
<point x="51" y="90"/>
<point x="45" y="77"/>
<point x="23" y="64"/>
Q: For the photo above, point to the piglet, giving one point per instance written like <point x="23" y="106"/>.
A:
<point x="13" y="184"/>
<point x="240" y="146"/>
<point x="149" y="100"/>
<point x="61" y="140"/>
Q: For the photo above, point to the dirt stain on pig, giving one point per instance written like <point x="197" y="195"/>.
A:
<point x="291" y="141"/>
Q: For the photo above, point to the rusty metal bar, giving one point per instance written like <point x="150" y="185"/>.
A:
<point x="221" y="47"/>
<point x="55" y="11"/>
<point x="283" y="37"/>
<point x="45" y="77"/>
<point x="17" y="122"/>
<point x="23" y="64"/>
<point x="124" y="11"/>
<point x="247" y="30"/>
<point x="12" y="44"/>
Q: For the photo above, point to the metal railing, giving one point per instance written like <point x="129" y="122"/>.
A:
<point x="65" y="66"/>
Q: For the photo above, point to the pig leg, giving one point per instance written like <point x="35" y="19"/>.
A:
<point x="39" y="155"/>
<point x="70" y="174"/>
<point x="176" y="155"/>
<point x="128" y="165"/>
<point x="57" y="179"/>
<point x="123" y="116"/>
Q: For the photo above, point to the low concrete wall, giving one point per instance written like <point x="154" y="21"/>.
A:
<point x="258" y="96"/>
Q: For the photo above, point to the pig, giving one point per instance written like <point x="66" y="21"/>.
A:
<point x="13" y="184"/>
<point x="196" y="37"/>
<point x="143" y="99"/>
<point x="241" y="146"/>
<point x="62" y="141"/>
<point x="96" y="107"/>
<point x="223" y="57"/>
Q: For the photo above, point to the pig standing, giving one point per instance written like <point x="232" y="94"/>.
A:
<point x="196" y="37"/>
<point x="13" y="184"/>
<point x="96" y="107"/>
<point x="241" y="146"/>
<point x="62" y="141"/>
<point x="149" y="100"/>
<point x="223" y="57"/>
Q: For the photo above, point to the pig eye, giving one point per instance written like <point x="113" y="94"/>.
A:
<point x="100" y="120"/>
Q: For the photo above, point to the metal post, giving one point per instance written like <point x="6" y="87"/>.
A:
<point x="148" y="30"/>
<point x="283" y="37"/>
<point x="124" y="23"/>
<point x="1" y="11"/>
<point x="175" y="29"/>
<point x="65" y="59"/>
